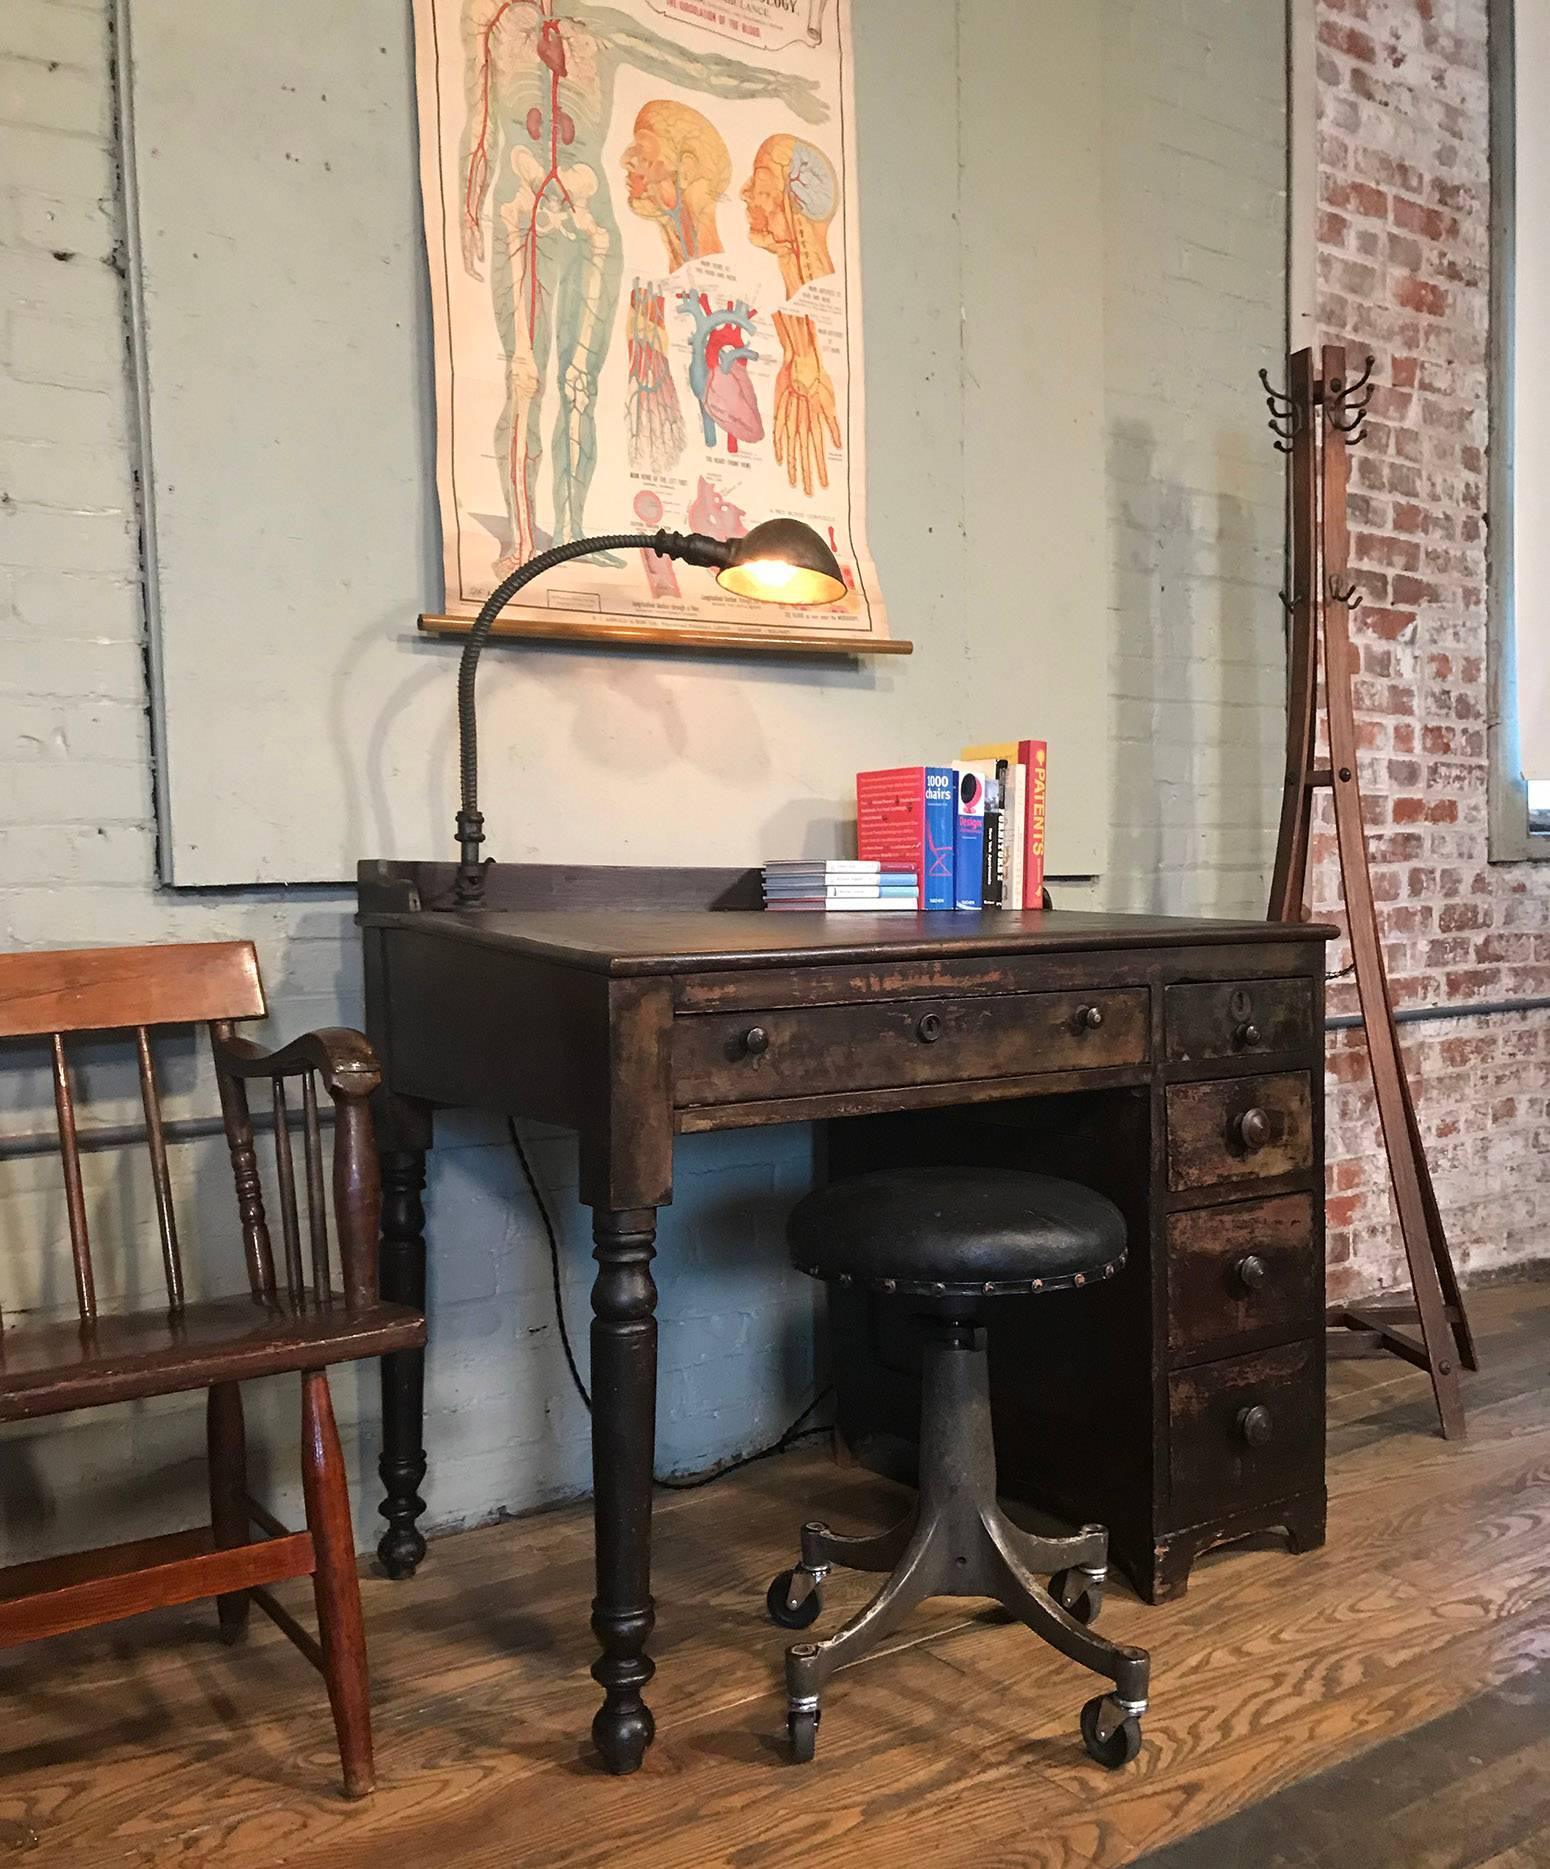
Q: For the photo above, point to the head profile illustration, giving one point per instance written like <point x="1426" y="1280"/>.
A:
<point x="676" y="170"/>
<point x="792" y="197"/>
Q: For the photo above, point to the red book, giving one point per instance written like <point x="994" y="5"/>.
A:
<point x="1034" y="756"/>
<point x="905" y="821"/>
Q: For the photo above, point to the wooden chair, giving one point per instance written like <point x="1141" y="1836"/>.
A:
<point x="49" y="1366"/>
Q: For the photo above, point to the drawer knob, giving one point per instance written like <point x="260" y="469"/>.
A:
<point x="1248" y="1034"/>
<point x="1255" y="1425"/>
<point x="756" y="1041"/>
<point x="1090" y="1018"/>
<point x="929" y="1030"/>
<point x="1251" y="1271"/>
<point x="1252" y="1128"/>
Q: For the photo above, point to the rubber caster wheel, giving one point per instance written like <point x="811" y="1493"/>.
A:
<point x="1122" y="1743"/>
<point x="802" y="1731"/>
<point x="1077" y="1594"/>
<point x="806" y="1612"/>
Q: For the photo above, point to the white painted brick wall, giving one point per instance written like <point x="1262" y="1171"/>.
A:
<point x="1195" y="304"/>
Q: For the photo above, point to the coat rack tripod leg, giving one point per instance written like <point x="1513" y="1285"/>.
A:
<point x="1317" y="421"/>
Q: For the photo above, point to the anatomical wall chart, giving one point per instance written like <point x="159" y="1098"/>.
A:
<point x="642" y="234"/>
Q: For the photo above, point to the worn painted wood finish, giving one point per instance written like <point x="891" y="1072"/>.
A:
<point x="677" y="1009"/>
<point x="1276" y="1679"/>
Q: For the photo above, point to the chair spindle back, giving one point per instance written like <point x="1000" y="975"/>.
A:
<point x="131" y="990"/>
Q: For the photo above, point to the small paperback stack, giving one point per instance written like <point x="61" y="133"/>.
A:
<point x="837" y="884"/>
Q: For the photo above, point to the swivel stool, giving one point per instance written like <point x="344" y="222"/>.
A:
<point x="953" y="1241"/>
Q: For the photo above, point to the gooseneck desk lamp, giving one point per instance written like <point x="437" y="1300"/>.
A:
<point x="781" y="561"/>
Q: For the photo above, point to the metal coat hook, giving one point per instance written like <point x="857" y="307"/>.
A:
<point x="1345" y="404"/>
<point x="1283" y="414"/>
<point x="1351" y="596"/>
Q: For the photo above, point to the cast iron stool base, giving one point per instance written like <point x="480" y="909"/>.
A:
<point x="959" y="1542"/>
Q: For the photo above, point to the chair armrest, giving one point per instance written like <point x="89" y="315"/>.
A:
<point x="343" y="1059"/>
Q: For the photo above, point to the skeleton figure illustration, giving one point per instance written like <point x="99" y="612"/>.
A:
<point x="654" y="417"/>
<point x="792" y="197"/>
<point x="539" y="87"/>
<point x="718" y="369"/>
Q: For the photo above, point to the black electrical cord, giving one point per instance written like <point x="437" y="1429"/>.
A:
<point x="794" y="1433"/>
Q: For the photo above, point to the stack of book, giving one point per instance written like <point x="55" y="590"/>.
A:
<point x="826" y="885"/>
<point x="973" y="832"/>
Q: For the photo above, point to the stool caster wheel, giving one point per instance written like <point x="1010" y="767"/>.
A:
<point x="1078" y="1594"/>
<point x="1111" y="1736"/>
<point x="801" y="1615"/>
<point x="802" y="1731"/>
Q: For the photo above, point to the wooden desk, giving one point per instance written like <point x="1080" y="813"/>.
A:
<point x="1180" y="1063"/>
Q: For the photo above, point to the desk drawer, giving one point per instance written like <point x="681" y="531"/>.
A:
<point x="751" y="1057"/>
<point x="1242" y="1129"/>
<point x="1237" y="1018"/>
<point x="1245" y="1431"/>
<point x="1248" y="1266"/>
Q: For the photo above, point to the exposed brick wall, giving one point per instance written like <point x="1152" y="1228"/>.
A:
<point x="1403" y="233"/>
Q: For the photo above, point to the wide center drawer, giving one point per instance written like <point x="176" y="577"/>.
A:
<point x="808" y="1051"/>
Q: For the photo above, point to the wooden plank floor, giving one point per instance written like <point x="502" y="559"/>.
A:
<point x="1392" y="1688"/>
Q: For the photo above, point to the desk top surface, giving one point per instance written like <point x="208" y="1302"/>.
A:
<point x="655" y="941"/>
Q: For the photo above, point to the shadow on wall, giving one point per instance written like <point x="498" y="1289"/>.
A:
<point x="1199" y="679"/>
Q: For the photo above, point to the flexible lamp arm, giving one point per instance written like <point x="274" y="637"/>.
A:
<point x="692" y="548"/>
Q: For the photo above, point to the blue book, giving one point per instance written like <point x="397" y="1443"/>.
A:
<point x="969" y="840"/>
<point x="939" y="838"/>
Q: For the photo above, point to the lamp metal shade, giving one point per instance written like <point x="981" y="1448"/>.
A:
<point x="783" y="561"/>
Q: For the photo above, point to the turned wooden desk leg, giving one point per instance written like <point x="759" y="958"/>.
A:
<point x="624" y="1414"/>
<point x="402" y="1280"/>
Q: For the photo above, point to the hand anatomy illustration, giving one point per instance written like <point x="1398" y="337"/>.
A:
<point x="655" y="431"/>
<point x="791" y="198"/>
<point x="539" y="87"/>
<point x="720" y="354"/>
<point x="675" y="172"/>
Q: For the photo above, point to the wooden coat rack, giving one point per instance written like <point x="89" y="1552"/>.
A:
<point x="1317" y="421"/>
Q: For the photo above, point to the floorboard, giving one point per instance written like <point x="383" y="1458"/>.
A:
<point x="1385" y="1700"/>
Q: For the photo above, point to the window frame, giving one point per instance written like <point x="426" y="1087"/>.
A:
<point x="1511" y="836"/>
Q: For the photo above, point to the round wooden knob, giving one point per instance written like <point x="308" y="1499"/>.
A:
<point x="756" y="1041"/>
<point x="1253" y="1129"/>
<point x="929" y="1030"/>
<point x="1251" y="1271"/>
<point x="1255" y="1425"/>
<point x="1090" y="1017"/>
<point x="1247" y="1034"/>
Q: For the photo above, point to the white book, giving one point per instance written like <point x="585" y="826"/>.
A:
<point x="885" y="906"/>
<point x="850" y="866"/>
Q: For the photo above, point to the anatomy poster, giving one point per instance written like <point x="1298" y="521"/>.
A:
<point x="641" y="226"/>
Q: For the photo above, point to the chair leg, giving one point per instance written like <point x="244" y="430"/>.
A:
<point x="334" y="1581"/>
<point x="228" y="1465"/>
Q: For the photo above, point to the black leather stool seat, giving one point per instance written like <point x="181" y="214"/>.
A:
<point x="957" y="1232"/>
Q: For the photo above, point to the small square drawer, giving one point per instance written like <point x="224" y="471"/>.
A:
<point x="1240" y="1129"/>
<point x="1246" y="1431"/>
<point x="1247" y="1266"/>
<point x="1237" y="1018"/>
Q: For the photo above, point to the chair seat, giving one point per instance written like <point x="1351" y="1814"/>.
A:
<point x="51" y="1365"/>
<point x="957" y="1231"/>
